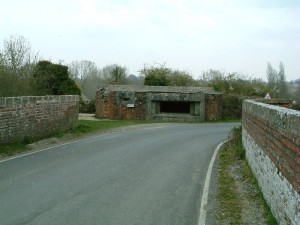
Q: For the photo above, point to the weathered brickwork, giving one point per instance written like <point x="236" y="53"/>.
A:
<point x="114" y="106"/>
<point x="36" y="116"/>
<point x="213" y="107"/>
<point x="271" y="136"/>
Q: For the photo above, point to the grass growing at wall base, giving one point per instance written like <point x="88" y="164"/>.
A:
<point x="88" y="126"/>
<point x="10" y="150"/>
<point x="230" y="200"/>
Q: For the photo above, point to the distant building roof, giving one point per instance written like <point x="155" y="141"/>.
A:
<point x="165" y="89"/>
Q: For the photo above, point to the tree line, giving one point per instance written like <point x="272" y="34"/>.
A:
<point x="24" y="72"/>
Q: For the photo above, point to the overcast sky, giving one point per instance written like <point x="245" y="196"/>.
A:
<point x="192" y="35"/>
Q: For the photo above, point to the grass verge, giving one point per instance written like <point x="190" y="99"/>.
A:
<point x="88" y="126"/>
<point x="240" y="198"/>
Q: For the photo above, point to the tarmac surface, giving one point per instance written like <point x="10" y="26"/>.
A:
<point x="147" y="175"/>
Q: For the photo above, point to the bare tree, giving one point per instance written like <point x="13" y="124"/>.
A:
<point x="210" y="75"/>
<point x="83" y="69"/>
<point x="87" y="75"/>
<point x="282" y="86"/>
<point x="115" y="74"/>
<point x="296" y="91"/>
<point x="272" y="78"/>
<point x="17" y="61"/>
<point x="277" y="81"/>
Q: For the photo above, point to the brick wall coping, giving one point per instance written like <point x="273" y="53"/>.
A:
<point x="275" y="101"/>
<point x="25" y="100"/>
<point x="284" y="118"/>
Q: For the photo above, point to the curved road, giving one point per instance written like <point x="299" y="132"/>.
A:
<point x="151" y="175"/>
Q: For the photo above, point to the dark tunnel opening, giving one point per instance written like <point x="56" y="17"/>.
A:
<point x="175" y="107"/>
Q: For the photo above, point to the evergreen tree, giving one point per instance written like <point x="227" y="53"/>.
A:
<point x="53" y="79"/>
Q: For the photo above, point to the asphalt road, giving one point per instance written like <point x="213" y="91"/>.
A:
<point x="142" y="176"/>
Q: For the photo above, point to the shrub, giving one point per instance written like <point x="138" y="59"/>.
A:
<point x="53" y="79"/>
<point x="231" y="107"/>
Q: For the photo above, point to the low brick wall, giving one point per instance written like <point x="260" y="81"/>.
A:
<point x="36" y="116"/>
<point x="271" y="136"/>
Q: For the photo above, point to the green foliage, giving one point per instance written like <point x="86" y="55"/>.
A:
<point x="12" y="149"/>
<point x="227" y="193"/>
<point x="236" y="141"/>
<point x="181" y="78"/>
<point x="53" y="79"/>
<point x="156" y="76"/>
<point x="234" y="84"/>
<point x="87" y="126"/>
<point x="231" y="106"/>
<point x="235" y="88"/>
<point x="221" y="85"/>
<point x="28" y="140"/>
<point x="163" y="76"/>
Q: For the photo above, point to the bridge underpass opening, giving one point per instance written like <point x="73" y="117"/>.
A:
<point x="175" y="107"/>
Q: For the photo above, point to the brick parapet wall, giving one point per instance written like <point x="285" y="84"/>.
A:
<point x="271" y="136"/>
<point x="36" y="116"/>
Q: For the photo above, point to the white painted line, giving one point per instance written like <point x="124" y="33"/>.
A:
<point x="202" y="215"/>
<point x="71" y="142"/>
<point x="45" y="149"/>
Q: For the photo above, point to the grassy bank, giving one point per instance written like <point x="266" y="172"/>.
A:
<point x="240" y="199"/>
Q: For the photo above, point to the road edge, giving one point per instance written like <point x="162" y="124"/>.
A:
<point x="82" y="138"/>
<point x="202" y="214"/>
